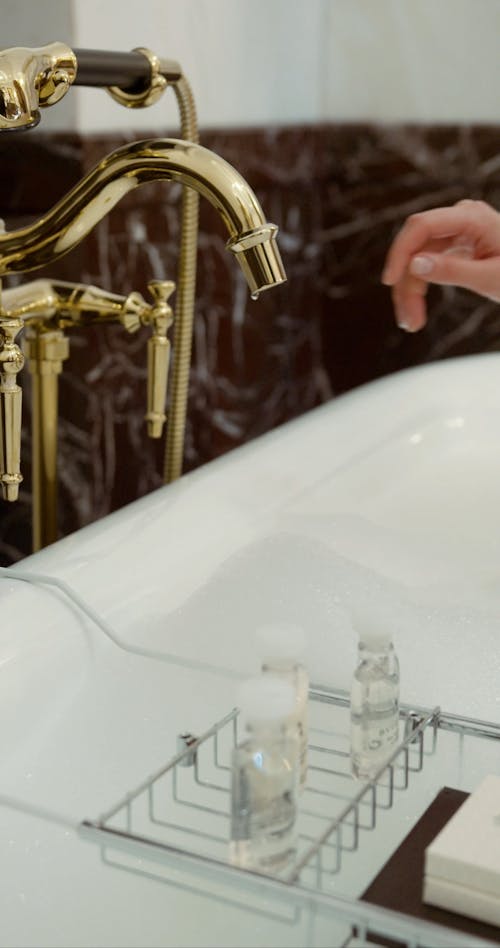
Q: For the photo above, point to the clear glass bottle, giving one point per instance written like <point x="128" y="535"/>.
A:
<point x="264" y="780"/>
<point x="283" y="647"/>
<point x="374" y="704"/>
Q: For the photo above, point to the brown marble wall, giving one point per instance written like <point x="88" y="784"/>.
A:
<point x="338" y="193"/>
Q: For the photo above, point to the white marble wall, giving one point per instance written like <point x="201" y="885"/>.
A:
<point x="250" y="62"/>
<point x="255" y="62"/>
<point x="412" y="60"/>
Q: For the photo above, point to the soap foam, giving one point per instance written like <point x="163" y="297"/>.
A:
<point x="446" y="633"/>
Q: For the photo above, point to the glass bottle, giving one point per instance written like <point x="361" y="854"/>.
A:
<point x="374" y="704"/>
<point x="283" y="647"/>
<point x="264" y="780"/>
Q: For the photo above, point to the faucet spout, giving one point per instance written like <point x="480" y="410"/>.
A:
<point x="251" y="238"/>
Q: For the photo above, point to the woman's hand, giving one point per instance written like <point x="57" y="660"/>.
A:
<point x="457" y="246"/>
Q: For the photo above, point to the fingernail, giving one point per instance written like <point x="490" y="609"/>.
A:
<point x="406" y="327"/>
<point x="403" y="320"/>
<point x="421" y="266"/>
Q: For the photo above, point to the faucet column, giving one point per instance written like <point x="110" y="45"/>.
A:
<point x="11" y="362"/>
<point x="46" y="350"/>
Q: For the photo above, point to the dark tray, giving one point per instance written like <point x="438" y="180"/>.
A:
<point x="398" y="885"/>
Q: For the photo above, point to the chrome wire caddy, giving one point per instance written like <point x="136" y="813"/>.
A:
<point x="180" y="816"/>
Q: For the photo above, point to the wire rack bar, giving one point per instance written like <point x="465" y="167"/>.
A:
<point x="133" y="794"/>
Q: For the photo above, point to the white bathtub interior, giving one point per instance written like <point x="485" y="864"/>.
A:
<point x="409" y="525"/>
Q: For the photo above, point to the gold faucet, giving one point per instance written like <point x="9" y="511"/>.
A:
<point x="45" y="308"/>
<point x="51" y="306"/>
<point x="39" y="77"/>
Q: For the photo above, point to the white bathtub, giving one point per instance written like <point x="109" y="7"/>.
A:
<point x="386" y="498"/>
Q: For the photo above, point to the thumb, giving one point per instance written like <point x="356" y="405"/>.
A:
<point x="447" y="269"/>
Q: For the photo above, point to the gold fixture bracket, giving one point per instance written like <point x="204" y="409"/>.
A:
<point x="31" y="79"/>
<point x="56" y="74"/>
<point x="161" y="73"/>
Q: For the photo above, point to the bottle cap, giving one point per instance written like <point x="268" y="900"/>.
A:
<point x="281" y="642"/>
<point x="266" y="699"/>
<point x="373" y="623"/>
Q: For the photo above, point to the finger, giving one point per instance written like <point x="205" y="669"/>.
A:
<point x="480" y="276"/>
<point x="410" y="309"/>
<point x="463" y="221"/>
<point x="446" y="244"/>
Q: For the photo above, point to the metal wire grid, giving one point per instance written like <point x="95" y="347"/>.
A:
<point x="185" y="804"/>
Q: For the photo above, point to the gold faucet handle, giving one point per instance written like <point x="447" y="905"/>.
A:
<point x="161" y="317"/>
<point x="132" y="309"/>
<point x="11" y="362"/>
<point x="161" y="291"/>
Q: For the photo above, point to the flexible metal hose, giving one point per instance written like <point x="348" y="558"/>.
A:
<point x="185" y="297"/>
